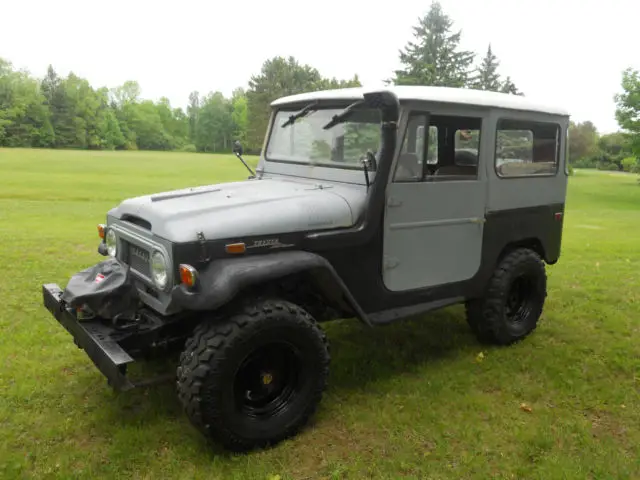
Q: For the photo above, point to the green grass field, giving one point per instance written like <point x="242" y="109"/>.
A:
<point x="412" y="400"/>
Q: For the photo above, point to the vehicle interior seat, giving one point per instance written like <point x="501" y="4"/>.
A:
<point x="465" y="164"/>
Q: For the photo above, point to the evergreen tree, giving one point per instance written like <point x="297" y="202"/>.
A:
<point x="509" y="87"/>
<point x="487" y="77"/>
<point x="435" y="57"/>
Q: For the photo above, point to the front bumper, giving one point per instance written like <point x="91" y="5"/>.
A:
<point x="94" y="337"/>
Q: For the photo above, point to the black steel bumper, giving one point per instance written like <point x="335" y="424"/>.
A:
<point x="93" y="337"/>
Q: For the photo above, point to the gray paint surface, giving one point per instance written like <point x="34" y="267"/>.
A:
<point x="530" y="191"/>
<point x="432" y="230"/>
<point x="253" y="207"/>
<point x="432" y="233"/>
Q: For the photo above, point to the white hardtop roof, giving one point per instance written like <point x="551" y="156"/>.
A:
<point x="461" y="96"/>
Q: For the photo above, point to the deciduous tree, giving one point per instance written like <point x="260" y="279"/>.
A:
<point x="628" y="108"/>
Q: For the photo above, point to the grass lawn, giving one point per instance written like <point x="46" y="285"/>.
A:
<point x="412" y="400"/>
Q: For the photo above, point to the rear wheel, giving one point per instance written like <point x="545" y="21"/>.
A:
<point x="256" y="378"/>
<point x="514" y="299"/>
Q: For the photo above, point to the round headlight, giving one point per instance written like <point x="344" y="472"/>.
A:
<point x="159" y="270"/>
<point x="112" y="242"/>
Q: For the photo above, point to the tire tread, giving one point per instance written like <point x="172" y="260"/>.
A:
<point x="485" y="315"/>
<point x="210" y="340"/>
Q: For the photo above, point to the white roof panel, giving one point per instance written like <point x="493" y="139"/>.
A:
<point x="462" y="96"/>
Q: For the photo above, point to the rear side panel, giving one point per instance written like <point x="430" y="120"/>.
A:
<point x="514" y="192"/>
<point x="529" y="207"/>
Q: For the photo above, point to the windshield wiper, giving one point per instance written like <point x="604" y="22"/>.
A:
<point x="343" y="115"/>
<point x="302" y="113"/>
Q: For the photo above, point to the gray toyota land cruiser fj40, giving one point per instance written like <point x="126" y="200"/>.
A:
<point x="377" y="205"/>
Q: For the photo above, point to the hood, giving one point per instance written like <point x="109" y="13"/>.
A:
<point x="252" y="207"/>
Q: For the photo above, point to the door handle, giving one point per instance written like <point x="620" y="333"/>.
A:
<point x="390" y="262"/>
<point x="479" y="221"/>
<point x="394" y="202"/>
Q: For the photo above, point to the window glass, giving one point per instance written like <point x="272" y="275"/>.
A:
<point x="432" y="152"/>
<point x="451" y="150"/>
<point x="409" y="165"/>
<point x="526" y="148"/>
<point x="457" y="151"/>
<point x="467" y="139"/>
<point x="307" y="141"/>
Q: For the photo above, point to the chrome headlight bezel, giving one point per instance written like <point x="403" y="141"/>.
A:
<point x="159" y="269"/>
<point x="111" y="241"/>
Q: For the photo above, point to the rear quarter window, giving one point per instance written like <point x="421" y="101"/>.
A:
<point x="526" y="148"/>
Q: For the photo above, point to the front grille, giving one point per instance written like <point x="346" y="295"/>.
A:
<point x="138" y="258"/>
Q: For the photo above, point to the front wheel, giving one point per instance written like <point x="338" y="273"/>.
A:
<point x="513" y="301"/>
<point x="255" y="378"/>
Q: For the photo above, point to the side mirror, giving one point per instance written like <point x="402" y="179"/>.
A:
<point x="237" y="147"/>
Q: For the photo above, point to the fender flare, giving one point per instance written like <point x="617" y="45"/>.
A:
<point x="223" y="279"/>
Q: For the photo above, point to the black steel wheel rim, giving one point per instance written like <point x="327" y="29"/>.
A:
<point x="520" y="299"/>
<point x="267" y="380"/>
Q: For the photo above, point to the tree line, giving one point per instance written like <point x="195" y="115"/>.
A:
<point x="590" y="149"/>
<point x="68" y="112"/>
<point x="619" y="151"/>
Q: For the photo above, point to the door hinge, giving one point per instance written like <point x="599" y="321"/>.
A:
<point x="390" y="262"/>
<point x="394" y="202"/>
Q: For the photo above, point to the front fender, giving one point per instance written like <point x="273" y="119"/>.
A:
<point x="223" y="279"/>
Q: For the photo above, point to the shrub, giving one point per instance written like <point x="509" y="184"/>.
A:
<point x="608" y="166"/>
<point x="189" y="147"/>
<point x="570" y="169"/>
<point x="629" y="163"/>
<point x="587" y="162"/>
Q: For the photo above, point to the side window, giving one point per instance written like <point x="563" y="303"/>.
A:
<point x="467" y="139"/>
<point x="432" y="152"/>
<point x="526" y="148"/>
<point x="411" y="159"/>
<point x="450" y="153"/>
<point x="457" y="149"/>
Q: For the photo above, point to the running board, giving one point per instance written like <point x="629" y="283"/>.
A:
<point x="394" y="314"/>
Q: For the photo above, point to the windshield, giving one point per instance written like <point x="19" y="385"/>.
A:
<point x="342" y="146"/>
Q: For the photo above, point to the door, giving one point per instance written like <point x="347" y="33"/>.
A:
<point x="435" y="204"/>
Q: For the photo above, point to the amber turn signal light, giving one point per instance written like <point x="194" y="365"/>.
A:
<point x="188" y="275"/>
<point x="235" y="248"/>
<point x="101" y="228"/>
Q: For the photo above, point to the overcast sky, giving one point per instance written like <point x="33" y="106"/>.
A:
<point x="571" y="52"/>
